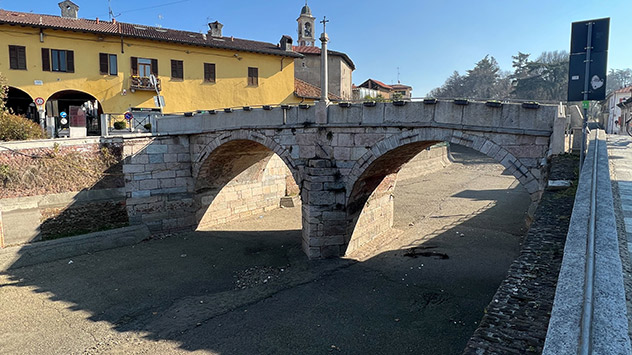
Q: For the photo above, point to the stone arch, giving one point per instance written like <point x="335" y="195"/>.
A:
<point x="237" y="174"/>
<point x="268" y="142"/>
<point x="21" y="103"/>
<point x="387" y="157"/>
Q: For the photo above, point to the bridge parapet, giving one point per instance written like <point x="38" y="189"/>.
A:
<point x="589" y="312"/>
<point x="476" y="116"/>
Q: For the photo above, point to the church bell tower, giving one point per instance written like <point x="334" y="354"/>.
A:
<point x="306" y="27"/>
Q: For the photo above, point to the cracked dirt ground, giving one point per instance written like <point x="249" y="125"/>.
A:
<point x="247" y="288"/>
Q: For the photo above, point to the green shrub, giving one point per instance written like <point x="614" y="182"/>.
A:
<point x="119" y="125"/>
<point x="147" y="126"/>
<point x="17" y="128"/>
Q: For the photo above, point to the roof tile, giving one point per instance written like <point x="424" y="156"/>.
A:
<point x="140" y="31"/>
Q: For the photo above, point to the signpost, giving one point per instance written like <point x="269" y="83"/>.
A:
<point x="587" y="67"/>
<point x="160" y="103"/>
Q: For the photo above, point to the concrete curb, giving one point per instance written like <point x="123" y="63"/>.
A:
<point x="610" y="324"/>
<point x="42" y="252"/>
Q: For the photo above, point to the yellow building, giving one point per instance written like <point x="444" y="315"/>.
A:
<point x="68" y="61"/>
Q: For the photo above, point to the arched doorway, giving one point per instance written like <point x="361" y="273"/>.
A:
<point x="62" y="101"/>
<point x="21" y="103"/>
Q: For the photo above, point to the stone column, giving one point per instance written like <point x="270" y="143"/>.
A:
<point x="321" y="107"/>
<point x="324" y="216"/>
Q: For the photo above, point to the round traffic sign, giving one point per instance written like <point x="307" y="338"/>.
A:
<point x="63" y="114"/>
<point x="39" y="101"/>
<point x="128" y="116"/>
<point x="63" y="121"/>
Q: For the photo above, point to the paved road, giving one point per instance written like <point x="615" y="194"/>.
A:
<point x="246" y="288"/>
<point x="620" y="158"/>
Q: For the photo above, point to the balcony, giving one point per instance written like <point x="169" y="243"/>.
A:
<point x="143" y="83"/>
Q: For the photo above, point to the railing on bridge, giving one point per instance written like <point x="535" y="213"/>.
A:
<point x="589" y="312"/>
<point x="488" y="116"/>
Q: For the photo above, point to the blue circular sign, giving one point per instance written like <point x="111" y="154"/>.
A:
<point x="128" y="116"/>
<point x="63" y="114"/>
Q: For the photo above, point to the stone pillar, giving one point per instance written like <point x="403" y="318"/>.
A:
<point x="559" y="130"/>
<point x="324" y="216"/>
<point x="324" y="67"/>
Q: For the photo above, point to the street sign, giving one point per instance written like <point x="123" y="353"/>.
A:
<point x="585" y="105"/>
<point x="39" y="101"/>
<point x="599" y="36"/>
<point x="160" y="103"/>
<point x="589" y="59"/>
<point x="129" y="116"/>
<point x="63" y="114"/>
<point x="596" y="76"/>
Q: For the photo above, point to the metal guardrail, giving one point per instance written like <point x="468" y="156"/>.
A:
<point x="589" y="314"/>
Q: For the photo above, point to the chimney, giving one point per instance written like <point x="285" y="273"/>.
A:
<point x="215" y="29"/>
<point x="286" y="43"/>
<point x="68" y="9"/>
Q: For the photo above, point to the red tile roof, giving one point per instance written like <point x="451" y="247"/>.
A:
<point x="140" y="31"/>
<point x="376" y="82"/>
<point x="316" y="51"/>
<point x="306" y="90"/>
<point x="624" y="90"/>
<point x="400" y="86"/>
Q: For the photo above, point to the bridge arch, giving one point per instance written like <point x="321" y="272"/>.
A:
<point x="240" y="173"/>
<point x="377" y="169"/>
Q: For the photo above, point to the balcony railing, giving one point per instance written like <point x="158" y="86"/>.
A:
<point x="143" y="83"/>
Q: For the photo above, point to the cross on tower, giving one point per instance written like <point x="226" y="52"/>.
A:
<point x="324" y="22"/>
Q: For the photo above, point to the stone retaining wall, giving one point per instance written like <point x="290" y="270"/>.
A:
<point x="43" y="217"/>
<point x="245" y="197"/>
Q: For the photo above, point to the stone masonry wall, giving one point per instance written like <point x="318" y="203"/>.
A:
<point x="158" y="182"/>
<point x="57" y="188"/>
<point x="376" y="218"/>
<point x="245" y="197"/>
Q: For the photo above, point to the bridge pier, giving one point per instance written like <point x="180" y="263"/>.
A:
<point x="323" y="205"/>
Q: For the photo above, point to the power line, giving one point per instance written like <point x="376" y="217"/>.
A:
<point x="147" y="7"/>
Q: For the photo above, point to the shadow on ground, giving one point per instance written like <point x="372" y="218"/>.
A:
<point x="254" y="292"/>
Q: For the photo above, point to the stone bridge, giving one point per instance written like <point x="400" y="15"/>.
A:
<point x="208" y="167"/>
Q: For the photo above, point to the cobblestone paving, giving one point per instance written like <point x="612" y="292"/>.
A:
<point x="517" y="318"/>
<point x="620" y="158"/>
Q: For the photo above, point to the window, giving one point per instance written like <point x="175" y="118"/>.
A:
<point x="58" y="60"/>
<point x="144" y="67"/>
<point x="253" y="76"/>
<point x="209" y="72"/>
<point x="108" y="64"/>
<point x="177" y="69"/>
<point x="17" y="57"/>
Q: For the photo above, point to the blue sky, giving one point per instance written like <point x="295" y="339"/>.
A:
<point x="427" y="40"/>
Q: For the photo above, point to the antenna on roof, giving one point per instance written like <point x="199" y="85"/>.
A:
<point x="398" y="76"/>
<point x="110" y="13"/>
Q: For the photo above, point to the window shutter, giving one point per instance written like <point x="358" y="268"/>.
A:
<point x="45" y="59"/>
<point x="209" y="72"/>
<point x="70" y="61"/>
<point x="175" y="70"/>
<point x="253" y="76"/>
<point x="21" y="52"/>
<point x="134" y="66"/>
<point x="154" y="67"/>
<point x="103" y="63"/>
<point x="13" y="57"/>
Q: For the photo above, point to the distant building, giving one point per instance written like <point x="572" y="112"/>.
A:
<point x="307" y="69"/>
<point x="626" y="112"/>
<point x="111" y="66"/>
<point x="375" y="88"/>
<point x="615" y="119"/>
